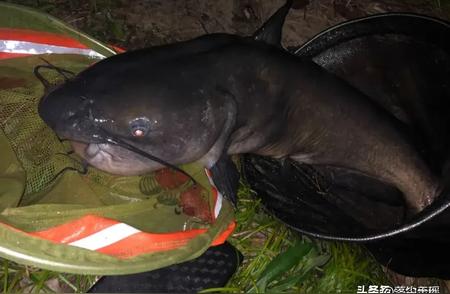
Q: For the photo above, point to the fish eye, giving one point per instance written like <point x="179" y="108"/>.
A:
<point x="138" y="132"/>
<point x="139" y="127"/>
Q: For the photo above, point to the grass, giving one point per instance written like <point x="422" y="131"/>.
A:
<point x="326" y="267"/>
<point x="15" y="278"/>
<point x="277" y="260"/>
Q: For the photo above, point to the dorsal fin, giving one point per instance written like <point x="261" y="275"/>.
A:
<point x="270" y="32"/>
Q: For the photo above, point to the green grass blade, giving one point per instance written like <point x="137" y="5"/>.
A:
<point x="68" y="283"/>
<point x="287" y="284"/>
<point x="219" y="290"/>
<point x="282" y="263"/>
<point x="5" y="275"/>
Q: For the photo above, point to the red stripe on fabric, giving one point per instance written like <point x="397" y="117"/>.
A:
<point x="141" y="243"/>
<point x="118" y="49"/>
<point x="75" y="230"/>
<point x="134" y="245"/>
<point x="40" y="37"/>
<point x="225" y="234"/>
<point x="7" y="55"/>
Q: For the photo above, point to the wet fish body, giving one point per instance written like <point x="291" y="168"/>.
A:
<point x="216" y="94"/>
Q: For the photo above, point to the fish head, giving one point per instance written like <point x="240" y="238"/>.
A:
<point x="163" y="116"/>
<point x="150" y="100"/>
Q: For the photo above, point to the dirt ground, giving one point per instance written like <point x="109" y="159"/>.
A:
<point x="143" y="23"/>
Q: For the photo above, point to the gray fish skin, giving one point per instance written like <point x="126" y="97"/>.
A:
<point x="223" y="93"/>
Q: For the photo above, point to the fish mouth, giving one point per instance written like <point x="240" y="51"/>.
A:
<point x="79" y="147"/>
<point x="113" y="159"/>
<point x="91" y="150"/>
<point x="85" y="150"/>
<point x="119" y="157"/>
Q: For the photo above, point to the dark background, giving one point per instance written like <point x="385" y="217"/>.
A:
<point x="143" y="23"/>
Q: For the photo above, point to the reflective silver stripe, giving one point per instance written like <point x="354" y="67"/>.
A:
<point x="106" y="237"/>
<point x="219" y="200"/>
<point x="12" y="46"/>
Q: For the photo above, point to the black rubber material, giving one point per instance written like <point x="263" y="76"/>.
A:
<point x="211" y="270"/>
<point x="336" y="202"/>
<point x="402" y="62"/>
<point x="226" y="178"/>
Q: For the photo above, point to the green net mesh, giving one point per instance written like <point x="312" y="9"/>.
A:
<point x="42" y="184"/>
<point x="43" y="157"/>
<point x="46" y="160"/>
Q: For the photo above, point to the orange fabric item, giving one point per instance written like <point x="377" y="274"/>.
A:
<point x="39" y="37"/>
<point x="129" y="246"/>
<point x="141" y="243"/>
<point x="6" y="55"/>
<point x="117" y="49"/>
<point x="225" y="234"/>
<point x="75" y="230"/>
